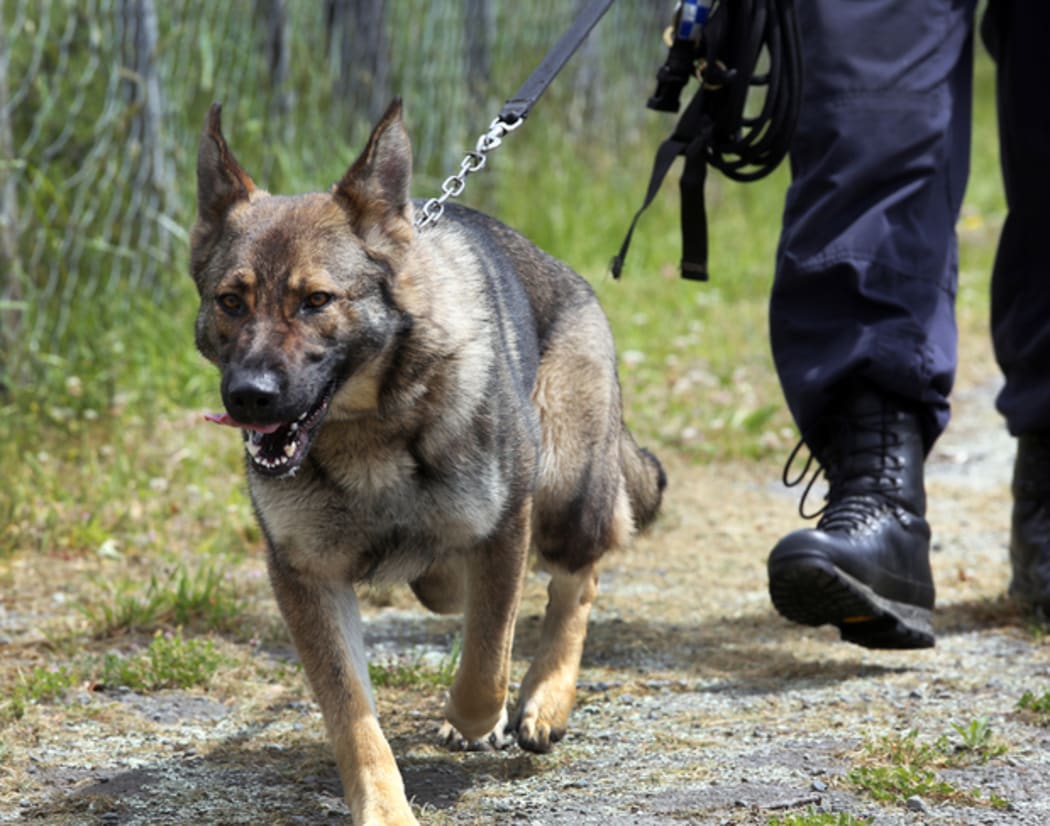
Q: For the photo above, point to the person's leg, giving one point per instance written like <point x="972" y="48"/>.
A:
<point x="862" y="310"/>
<point x="867" y="267"/>
<point x="1015" y="32"/>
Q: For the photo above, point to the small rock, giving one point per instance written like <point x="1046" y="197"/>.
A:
<point x="916" y="804"/>
<point x="818" y="786"/>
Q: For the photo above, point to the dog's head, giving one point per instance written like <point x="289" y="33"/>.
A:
<point x="296" y="292"/>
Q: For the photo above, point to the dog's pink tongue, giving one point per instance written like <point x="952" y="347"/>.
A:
<point x="229" y="421"/>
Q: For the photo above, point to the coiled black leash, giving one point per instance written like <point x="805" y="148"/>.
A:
<point x="720" y="42"/>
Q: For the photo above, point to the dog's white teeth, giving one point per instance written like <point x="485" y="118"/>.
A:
<point x="252" y="447"/>
<point x="294" y="426"/>
<point x="303" y="417"/>
<point x="289" y="449"/>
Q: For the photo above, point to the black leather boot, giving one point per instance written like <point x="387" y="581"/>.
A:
<point x="865" y="568"/>
<point x="1030" y="525"/>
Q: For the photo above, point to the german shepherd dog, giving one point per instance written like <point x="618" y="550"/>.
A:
<point x="420" y="405"/>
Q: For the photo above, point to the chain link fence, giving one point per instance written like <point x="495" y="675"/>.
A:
<point x="101" y="103"/>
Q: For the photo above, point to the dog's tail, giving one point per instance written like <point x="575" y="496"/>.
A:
<point x="645" y="478"/>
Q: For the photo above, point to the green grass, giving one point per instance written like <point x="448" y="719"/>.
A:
<point x="40" y="685"/>
<point x="170" y="661"/>
<point x="814" y="818"/>
<point x="1036" y="705"/>
<point x="201" y="598"/>
<point x="897" y="783"/>
<point x="975" y="740"/>
<point x="896" y="767"/>
<point x="415" y="672"/>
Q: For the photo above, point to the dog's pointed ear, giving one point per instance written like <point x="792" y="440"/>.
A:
<point x="376" y="186"/>
<point x="221" y="182"/>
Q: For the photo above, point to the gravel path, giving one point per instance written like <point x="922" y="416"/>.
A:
<point x="697" y="703"/>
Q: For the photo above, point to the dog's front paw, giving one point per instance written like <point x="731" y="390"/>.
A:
<point x="499" y="738"/>
<point x="542" y="719"/>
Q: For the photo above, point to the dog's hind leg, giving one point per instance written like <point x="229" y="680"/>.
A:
<point x="477" y="704"/>
<point x="549" y="688"/>
<point x="582" y="509"/>
<point x="325" y="624"/>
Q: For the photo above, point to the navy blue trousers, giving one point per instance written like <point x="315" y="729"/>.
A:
<point x="1018" y="35"/>
<point x="867" y="266"/>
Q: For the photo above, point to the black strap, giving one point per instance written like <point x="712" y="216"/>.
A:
<point x="518" y="106"/>
<point x="690" y="139"/>
<point x="693" y="212"/>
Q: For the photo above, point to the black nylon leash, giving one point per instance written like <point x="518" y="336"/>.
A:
<point x="515" y="109"/>
<point x="714" y="130"/>
<point x="518" y="106"/>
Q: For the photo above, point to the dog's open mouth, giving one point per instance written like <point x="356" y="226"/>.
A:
<point x="279" y="449"/>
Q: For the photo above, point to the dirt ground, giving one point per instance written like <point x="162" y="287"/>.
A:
<point x="697" y="703"/>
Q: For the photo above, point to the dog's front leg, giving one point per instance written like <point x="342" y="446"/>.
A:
<point x="325" y="624"/>
<point x="477" y="703"/>
<point x="549" y="688"/>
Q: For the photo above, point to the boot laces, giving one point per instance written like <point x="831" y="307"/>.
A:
<point x="861" y="475"/>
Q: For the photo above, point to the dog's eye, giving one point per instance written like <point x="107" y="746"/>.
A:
<point x="230" y="302"/>
<point x="315" y="301"/>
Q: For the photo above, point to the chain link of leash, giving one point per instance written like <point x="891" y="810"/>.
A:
<point x="453" y="185"/>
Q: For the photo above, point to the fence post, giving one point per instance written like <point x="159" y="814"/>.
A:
<point x="478" y="56"/>
<point x="153" y="188"/>
<point x="357" y="46"/>
<point x="273" y="17"/>
<point x="11" y="269"/>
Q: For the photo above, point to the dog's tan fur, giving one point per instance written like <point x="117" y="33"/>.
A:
<point x="424" y="406"/>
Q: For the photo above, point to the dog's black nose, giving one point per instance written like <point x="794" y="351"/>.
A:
<point x="251" y="396"/>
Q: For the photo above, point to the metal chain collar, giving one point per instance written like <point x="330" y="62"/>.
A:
<point x="454" y="185"/>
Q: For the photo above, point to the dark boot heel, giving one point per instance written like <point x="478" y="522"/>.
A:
<point x="1030" y="525"/>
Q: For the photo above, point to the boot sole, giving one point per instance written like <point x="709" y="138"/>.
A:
<point x="812" y="591"/>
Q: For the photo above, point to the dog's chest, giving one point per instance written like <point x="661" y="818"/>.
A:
<point x="380" y="515"/>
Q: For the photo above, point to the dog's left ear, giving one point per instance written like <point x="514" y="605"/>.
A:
<point x="376" y="186"/>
